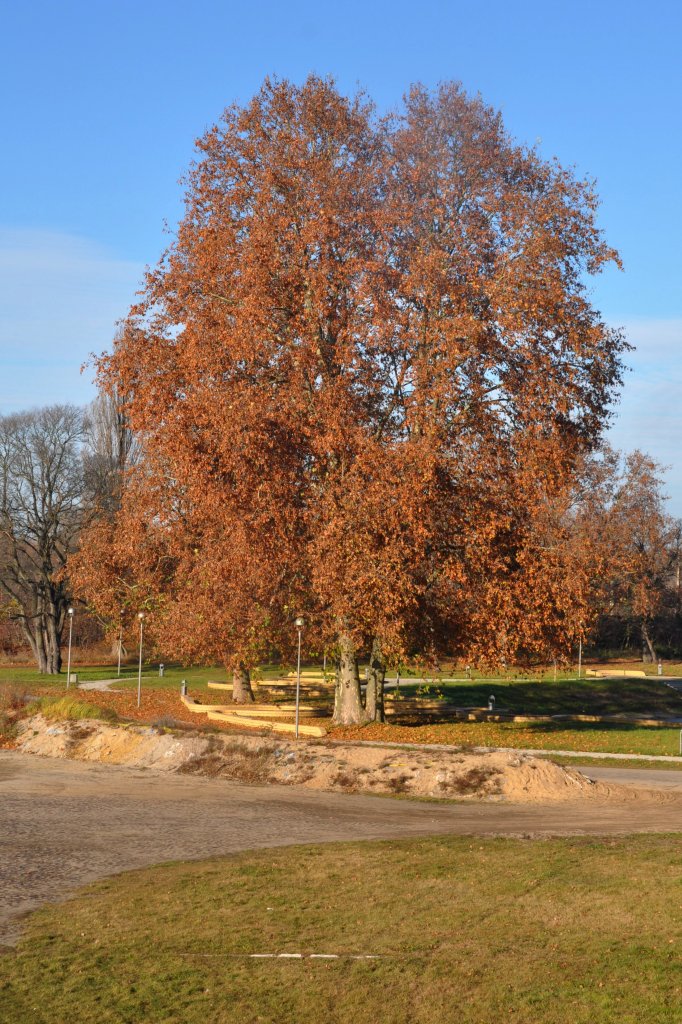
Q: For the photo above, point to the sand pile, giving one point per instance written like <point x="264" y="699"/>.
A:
<point x="348" y="767"/>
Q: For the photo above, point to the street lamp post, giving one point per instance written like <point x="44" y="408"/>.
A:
<point x="120" y="641"/>
<point x="68" y="664"/>
<point x="299" y="626"/>
<point x="580" y="658"/>
<point x="140" y="616"/>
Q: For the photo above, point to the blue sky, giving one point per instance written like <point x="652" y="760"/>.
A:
<point x="101" y="103"/>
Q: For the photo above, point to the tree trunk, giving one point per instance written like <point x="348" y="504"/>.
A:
<point x="53" y="643"/>
<point x="648" y="650"/>
<point x="34" y="626"/>
<point x="114" y="649"/>
<point x="374" y="698"/>
<point x="348" y="709"/>
<point x="35" y="640"/>
<point x="241" y="685"/>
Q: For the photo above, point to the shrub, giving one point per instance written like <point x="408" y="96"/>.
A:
<point x="71" y="709"/>
<point x="166" y="723"/>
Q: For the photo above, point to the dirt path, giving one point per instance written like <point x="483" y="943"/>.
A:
<point x="104" y="685"/>
<point x="64" y="823"/>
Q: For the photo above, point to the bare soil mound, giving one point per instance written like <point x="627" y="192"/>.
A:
<point x="356" y="768"/>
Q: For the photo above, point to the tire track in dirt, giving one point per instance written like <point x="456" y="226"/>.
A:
<point x="66" y="823"/>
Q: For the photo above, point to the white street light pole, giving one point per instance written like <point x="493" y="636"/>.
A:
<point x="580" y="657"/>
<point x="140" y="616"/>
<point x="68" y="664"/>
<point x="299" y="626"/>
<point x="120" y="641"/>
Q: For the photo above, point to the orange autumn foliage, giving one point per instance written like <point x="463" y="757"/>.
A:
<point x="361" y="377"/>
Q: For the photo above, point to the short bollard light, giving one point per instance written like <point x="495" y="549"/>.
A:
<point x="161" y="668"/>
<point x="660" y="669"/>
<point x="183" y="688"/>
<point x="491" y="702"/>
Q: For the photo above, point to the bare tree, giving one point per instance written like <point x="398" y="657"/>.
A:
<point x="110" y="449"/>
<point x="42" y="510"/>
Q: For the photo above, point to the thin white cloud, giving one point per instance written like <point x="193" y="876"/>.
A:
<point x="60" y="297"/>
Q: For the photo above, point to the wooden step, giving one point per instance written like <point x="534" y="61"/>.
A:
<point x="256" y="710"/>
<point x="290" y="691"/>
<point x="256" y="723"/>
<point x="200" y="709"/>
<point x="612" y="673"/>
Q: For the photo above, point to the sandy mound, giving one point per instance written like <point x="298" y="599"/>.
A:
<point x="355" y="768"/>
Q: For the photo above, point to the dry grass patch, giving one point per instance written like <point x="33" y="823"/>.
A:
<point x="12" y="705"/>
<point x="232" y="760"/>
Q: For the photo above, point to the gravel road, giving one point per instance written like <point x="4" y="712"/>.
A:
<point x="66" y="823"/>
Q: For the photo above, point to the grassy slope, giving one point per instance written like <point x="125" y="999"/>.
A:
<point x="472" y="931"/>
<point x="614" y="739"/>
<point x="571" y="696"/>
<point x="566" y="696"/>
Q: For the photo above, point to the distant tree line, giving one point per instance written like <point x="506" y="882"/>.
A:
<point x="61" y="468"/>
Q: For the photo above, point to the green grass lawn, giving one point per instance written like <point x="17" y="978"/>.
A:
<point x="570" y="696"/>
<point x="473" y="931"/>
<point x="197" y="676"/>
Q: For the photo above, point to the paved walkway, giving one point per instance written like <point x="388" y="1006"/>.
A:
<point x="456" y="748"/>
<point x="66" y="823"/>
<point x="636" y="778"/>
<point x="109" y="685"/>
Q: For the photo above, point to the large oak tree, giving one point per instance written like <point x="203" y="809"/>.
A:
<point x="360" y="374"/>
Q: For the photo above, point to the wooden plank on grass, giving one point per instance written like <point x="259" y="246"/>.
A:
<point x="304" y="730"/>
